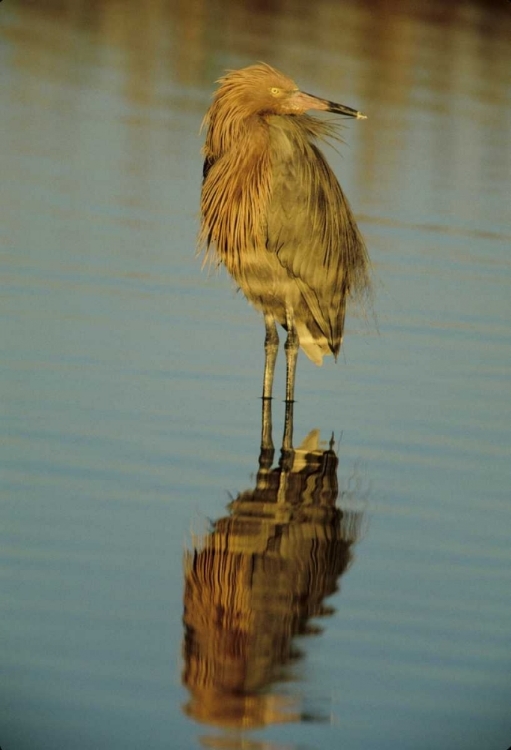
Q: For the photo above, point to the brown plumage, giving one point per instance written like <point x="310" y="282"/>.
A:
<point x="274" y="214"/>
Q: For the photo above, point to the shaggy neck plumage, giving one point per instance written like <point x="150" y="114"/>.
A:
<point x="236" y="189"/>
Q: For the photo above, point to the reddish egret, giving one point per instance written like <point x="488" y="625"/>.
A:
<point x="274" y="212"/>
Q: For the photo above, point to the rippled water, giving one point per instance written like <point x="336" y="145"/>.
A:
<point x="165" y="584"/>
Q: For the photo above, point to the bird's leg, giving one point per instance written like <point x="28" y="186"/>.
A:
<point x="291" y="347"/>
<point x="271" y="348"/>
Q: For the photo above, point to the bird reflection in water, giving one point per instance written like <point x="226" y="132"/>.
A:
<point x="258" y="577"/>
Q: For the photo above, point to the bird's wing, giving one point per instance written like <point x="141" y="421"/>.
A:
<point x="312" y="231"/>
<point x="208" y="163"/>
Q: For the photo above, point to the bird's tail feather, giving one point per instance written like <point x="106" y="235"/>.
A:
<point x="314" y="348"/>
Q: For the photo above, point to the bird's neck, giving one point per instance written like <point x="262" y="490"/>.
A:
<point x="232" y="132"/>
<point x="236" y="190"/>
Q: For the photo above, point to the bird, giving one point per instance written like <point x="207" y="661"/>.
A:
<point x="273" y="213"/>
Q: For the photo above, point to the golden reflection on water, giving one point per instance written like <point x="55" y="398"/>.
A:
<point x="257" y="578"/>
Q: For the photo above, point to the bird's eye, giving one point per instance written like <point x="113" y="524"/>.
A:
<point x="275" y="91"/>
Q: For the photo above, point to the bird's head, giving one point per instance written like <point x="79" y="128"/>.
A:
<point x="260" y="90"/>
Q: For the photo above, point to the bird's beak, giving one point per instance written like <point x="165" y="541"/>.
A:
<point x="304" y="102"/>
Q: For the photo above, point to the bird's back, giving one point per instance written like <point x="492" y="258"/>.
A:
<point x="303" y="251"/>
<point x="312" y="234"/>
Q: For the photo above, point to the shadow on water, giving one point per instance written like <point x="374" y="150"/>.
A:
<point x="257" y="578"/>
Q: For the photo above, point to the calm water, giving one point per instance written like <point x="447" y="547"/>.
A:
<point x="162" y="586"/>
